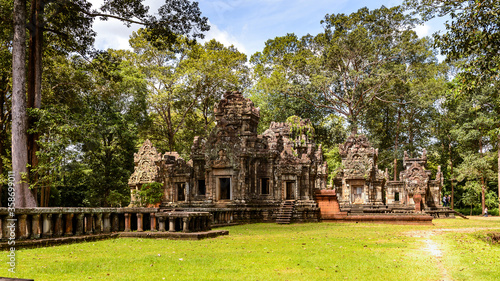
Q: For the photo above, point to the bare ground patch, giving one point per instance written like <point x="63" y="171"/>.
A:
<point x="435" y="250"/>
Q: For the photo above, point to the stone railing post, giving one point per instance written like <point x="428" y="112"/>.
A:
<point x="152" y="217"/>
<point x="69" y="225"/>
<point x="185" y="223"/>
<point x="171" y="224"/>
<point x="106" y="222"/>
<point x="98" y="223"/>
<point x="88" y="223"/>
<point x="35" y="226"/>
<point x="22" y="227"/>
<point x="161" y="222"/>
<point x="140" y="224"/>
<point x="79" y="223"/>
<point x="58" y="227"/>
<point x="5" y="228"/>
<point x="115" y="223"/>
<point x="127" y="222"/>
<point x="46" y="225"/>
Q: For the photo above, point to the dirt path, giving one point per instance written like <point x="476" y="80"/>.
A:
<point x="435" y="250"/>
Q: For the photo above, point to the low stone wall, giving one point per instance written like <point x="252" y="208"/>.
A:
<point x="37" y="223"/>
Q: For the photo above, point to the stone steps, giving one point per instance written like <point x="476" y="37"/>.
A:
<point x="286" y="212"/>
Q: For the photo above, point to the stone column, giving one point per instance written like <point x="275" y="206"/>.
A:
<point x="185" y="222"/>
<point x="35" y="226"/>
<point x="98" y="223"/>
<point x="140" y="226"/>
<point x="88" y="224"/>
<point x="47" y="225"/>
<point x="106" y="222"/>
<point x="5" y="230"/>
<point x="171" y="221"/>
<point x="152" y="217"/>
<point x="79" y="223"/>
<point x="161" y="223"/>
<point x="22" y="226"/>
<point x="115" y="223"/>
<point x="69" y="225"/>
<point x="127" y="222"/>
<point x="58" y="226"/>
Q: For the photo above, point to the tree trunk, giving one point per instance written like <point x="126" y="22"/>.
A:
<point x="452" y="177"/>
<point x="498" y="172"/>
<point x="396" y="147"/>
<point x="35" y="83"/>
<point x="483" y="184"/>
<point x="23" y="196"/>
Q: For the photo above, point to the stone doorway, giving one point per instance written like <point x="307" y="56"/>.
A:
<point x="181" y="191"/>
<point x="357" y="194"/>
<point x="224" y="188"/>
<point x="289" y="192"/>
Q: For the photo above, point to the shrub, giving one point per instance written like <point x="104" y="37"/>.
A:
<point x="149" y="194"/>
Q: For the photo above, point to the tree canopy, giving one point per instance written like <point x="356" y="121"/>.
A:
<point x="86" y="111"/>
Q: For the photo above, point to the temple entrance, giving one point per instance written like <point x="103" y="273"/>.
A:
<point x="289" y="194"/>
<point x="181" y="189"/>
<point x="357" y="194"/>
<point x="224" y="188"/>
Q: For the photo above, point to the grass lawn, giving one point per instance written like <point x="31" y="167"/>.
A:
<point x="314" y="251"/>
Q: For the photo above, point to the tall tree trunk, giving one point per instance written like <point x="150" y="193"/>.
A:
<point x="452" y="177"/>
<point x="396" y="147"/>
<point x="3" y="125"/>
<point x="498" y="171"/>
<point x="483" y="184"/>
<point x="35" y="82"/>
<point x="23" y="196"/>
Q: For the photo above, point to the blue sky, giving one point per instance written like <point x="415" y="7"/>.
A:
<point x="248" y="24"/>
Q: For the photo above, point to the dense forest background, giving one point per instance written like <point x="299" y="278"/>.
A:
<point x="368" y="73"/>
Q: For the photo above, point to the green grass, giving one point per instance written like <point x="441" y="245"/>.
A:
<point x="315" y="251"/>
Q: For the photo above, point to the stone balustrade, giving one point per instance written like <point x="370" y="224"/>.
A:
<point x="184" y="221"/>
<point x="38" y="223"/>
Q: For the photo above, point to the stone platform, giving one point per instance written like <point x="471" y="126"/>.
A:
<point x="175" y="235"/>
<point x="378" y="218"/>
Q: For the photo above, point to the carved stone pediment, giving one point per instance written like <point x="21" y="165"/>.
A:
<point x="146" y="165"/>
<point x="222" y="161"/>
<point x="358" y="166"/>
<point x="416" y="179"/>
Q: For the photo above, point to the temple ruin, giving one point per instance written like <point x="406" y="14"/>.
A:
<point x="240" y="176"/>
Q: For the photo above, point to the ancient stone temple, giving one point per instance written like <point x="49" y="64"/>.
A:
<point x="360" y="184"/>
<point x="238" y="175"/>
<point x="234" y="169"/>
<point x="359" y="181"/>
<point x="416" y="188"/>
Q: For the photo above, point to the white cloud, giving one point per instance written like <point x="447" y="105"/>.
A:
<point x="223" y="37"/>
<point x="112" y="34"/>
<point x="422" y="30"/>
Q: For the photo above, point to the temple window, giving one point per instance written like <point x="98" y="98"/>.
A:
<point x="224" y="188"/>
<point x="264" y="186"/>
<point x="201" y="187"/>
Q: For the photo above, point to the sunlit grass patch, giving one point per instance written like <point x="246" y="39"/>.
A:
<point x="313" y="251"/>
<point x="469" y="257"/>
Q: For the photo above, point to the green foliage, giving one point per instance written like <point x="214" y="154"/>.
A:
<point x="88" y="128"/>
<point x="334" y="161"/>
<point x="149" y="194"/>
<point x="184" y="81"/>
<point x="299" y="127"/>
